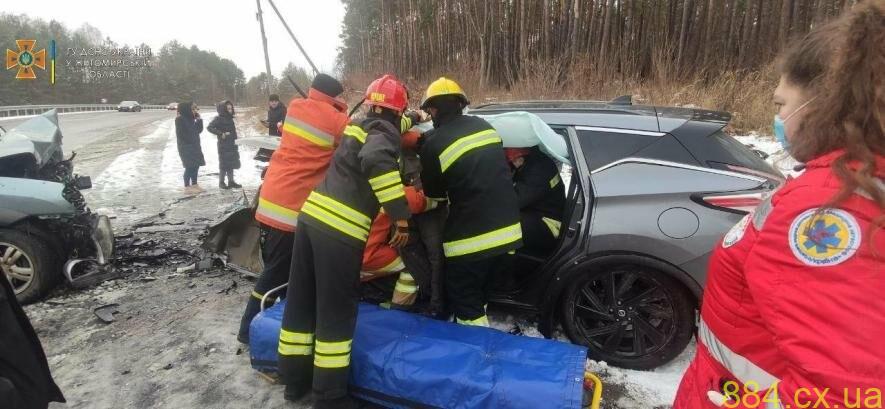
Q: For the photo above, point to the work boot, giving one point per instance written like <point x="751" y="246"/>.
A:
<point x="344" y="402"/>
<point x="295" y="392"/>
<point x="233" y="185"/>
<point x="221" y="184"/>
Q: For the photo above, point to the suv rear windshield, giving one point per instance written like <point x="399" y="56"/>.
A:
<point x="728" y="151"/>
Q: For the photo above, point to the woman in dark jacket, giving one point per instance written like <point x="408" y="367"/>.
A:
<point x="188" y="126"/>
<point x="228" y="154"/>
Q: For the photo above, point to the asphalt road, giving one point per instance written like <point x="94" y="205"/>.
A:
<point x="79" y="130"/>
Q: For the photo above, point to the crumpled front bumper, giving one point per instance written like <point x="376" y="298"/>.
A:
<point x="102" y="237"/>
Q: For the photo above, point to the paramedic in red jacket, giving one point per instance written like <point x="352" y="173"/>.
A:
<point x="793" y="313"/>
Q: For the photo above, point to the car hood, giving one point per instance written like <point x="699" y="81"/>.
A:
<point x="23" y="198"/>
<point x="38" y="137"/>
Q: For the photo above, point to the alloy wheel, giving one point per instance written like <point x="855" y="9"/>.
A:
<point x="625" y="313"/>
<point x="17" y="266"/>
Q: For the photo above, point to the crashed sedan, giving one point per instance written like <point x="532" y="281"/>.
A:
<point x="46" y="228"/>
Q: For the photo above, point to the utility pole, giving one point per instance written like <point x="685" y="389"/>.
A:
<point x="269" y="79"/>
<point x="291" y="34"/>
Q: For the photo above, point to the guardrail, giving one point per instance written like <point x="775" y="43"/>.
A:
<point x="18" y="110"/>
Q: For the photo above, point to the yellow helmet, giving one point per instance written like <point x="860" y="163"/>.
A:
<point x="443" y="86"/>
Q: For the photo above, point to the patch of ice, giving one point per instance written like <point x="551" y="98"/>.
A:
<point x="121" y="173"/>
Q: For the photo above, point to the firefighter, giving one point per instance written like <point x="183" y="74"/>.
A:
<point x="333" y="226"/>
<point x="541" y="197"/>
<point x="462" y="159"/>
<point x="25" y="380"/>
<point x="311" y="130"/>
<point x="792" y="312"/>
<point x="380" y="259"/>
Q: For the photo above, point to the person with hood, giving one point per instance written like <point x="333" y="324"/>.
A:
<point x="792" y="312"/>
<point x="462" y="160"/>
<point x="188" y="126"/>
<point x="225" y="129"/>
<point x="25" y="379"/>
<point x="333" y="227"/>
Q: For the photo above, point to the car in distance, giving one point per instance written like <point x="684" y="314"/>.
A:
<point x="129" y="106"/>
<point x="172" y="106"/>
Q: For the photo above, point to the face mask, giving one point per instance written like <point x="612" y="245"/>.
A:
<point x="780" y="125"/>
<point x="780" y="132"/>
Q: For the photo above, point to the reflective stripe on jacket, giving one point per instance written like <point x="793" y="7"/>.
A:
<point x="362" y="177"/>
<point x="463" y="160"/>
<point x="311" y="131"/>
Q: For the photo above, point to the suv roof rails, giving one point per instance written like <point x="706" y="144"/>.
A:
<point x="622" y="100"/>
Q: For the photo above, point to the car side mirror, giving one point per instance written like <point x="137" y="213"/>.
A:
<point x="83" y="182"/>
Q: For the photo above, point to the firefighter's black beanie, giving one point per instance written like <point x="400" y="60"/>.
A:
<point x="327" y="85"/>
<point x="274" y="97"/>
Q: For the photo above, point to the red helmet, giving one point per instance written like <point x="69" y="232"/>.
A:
<point x="387" y="92"/>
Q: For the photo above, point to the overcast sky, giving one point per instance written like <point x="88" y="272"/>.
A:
<point x="227" y="27"/>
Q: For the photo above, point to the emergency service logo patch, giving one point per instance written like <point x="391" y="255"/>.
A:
<point x="826" y="238"/>
<point x="737" y="232"/>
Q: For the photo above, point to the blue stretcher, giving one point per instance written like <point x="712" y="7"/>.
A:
<point x="405" y="360"/>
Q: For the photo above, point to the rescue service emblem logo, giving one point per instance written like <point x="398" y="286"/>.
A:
<point x="824" y="238"/>
<point x="737" y="232"/>
<point x="25" y="59"/>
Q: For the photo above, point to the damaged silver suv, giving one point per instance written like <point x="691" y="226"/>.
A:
<point x="46" y="228"/>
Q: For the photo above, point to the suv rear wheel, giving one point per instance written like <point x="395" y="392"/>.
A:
<point x="630" y="316"/>
<point x="28" y="263"/>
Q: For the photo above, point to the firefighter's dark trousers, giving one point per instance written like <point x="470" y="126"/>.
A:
<point x="320" y="315"/>
<point x="277" y="254"/>
<point x="537" y="236"/>
<point x="468" y="285"/>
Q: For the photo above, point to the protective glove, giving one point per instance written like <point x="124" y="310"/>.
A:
<point x="400" y="235"/>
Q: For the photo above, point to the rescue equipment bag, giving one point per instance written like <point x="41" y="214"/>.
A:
<point x="403" y="360"/>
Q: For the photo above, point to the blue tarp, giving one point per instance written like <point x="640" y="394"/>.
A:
<point x="406" y="360"/>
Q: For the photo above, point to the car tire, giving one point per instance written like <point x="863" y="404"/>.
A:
<point x="33" y="258"/>
<point x="629" y="315"/>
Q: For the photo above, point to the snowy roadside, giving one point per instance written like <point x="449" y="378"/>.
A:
<point x="140" y="182"/>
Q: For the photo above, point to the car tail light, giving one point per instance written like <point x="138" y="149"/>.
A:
<point x="741" y="202"/>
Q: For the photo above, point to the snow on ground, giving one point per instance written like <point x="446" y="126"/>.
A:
<point x="148" y="177"/>
<point x="777" y="157"/>
<point x="172" y="172"/>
